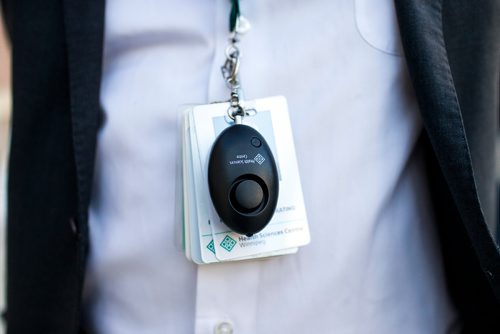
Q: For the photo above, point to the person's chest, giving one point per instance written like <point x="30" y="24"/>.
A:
<point x="355" y="122"/>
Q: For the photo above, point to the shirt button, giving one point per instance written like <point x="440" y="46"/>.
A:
<point x="223" y="328"/>
<point x="73" y="226"/>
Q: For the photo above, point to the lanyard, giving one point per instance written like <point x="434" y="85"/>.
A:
<point x="245" y="197"/>
<point x="232" y="64"/>
<point x="234" y="15"/>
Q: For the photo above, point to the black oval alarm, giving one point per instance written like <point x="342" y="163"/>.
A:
<point x="243" y="179"/>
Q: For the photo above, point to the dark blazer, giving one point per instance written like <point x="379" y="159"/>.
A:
<point x="452" y="49"/>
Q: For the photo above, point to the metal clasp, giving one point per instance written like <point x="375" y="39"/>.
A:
<point x="231" y="66"/>
<point x="230" y="71"/>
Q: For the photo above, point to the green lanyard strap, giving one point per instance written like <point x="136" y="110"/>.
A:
<point x="235" y="13"/>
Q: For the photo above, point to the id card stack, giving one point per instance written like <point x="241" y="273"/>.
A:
<point x="206" y="239"/>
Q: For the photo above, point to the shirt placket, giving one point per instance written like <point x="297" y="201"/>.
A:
<point x="226" y="293"/>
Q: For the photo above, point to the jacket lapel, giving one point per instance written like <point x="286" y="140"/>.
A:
<point x="420" y="24"/>
<point x="84" y="23"/>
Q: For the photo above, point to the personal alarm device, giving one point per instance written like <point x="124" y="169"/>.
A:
<point x="243" y="179"/>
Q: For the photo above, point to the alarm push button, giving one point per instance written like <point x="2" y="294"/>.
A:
<point x="248" y="196"/>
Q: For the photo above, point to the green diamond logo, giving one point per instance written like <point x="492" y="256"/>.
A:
<point x="211" y="247"/>
<point x="228" y="243"/>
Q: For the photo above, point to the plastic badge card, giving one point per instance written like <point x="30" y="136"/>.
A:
<point x="206" y="238"/>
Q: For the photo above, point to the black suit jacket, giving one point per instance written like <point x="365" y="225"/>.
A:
<point x="452" y="49"/>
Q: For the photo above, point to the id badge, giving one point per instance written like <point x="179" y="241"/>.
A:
<point x="207" y="238"/>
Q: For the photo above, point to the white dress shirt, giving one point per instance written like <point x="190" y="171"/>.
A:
<point x="373" y="265"/>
